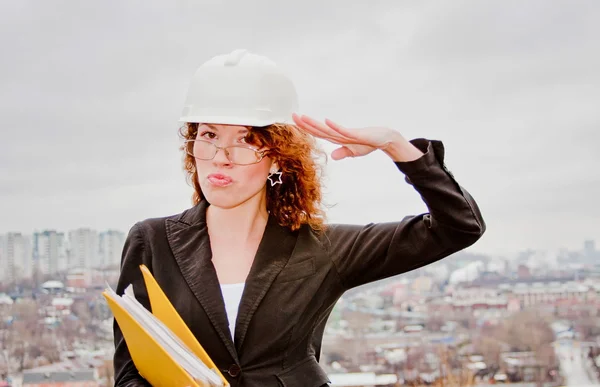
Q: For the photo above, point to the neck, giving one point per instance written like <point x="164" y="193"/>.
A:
<point x="238" y="224"/>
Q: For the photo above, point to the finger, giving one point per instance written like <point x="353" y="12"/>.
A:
<point x="337" y="127"/>
<point x="304" y="126"/>
<point x="325" y="129"/>
<point x="341" y="153"/>
<point x="296" y="118"/>
<point x="343" y="131"/>
<point x="314" y="131"/>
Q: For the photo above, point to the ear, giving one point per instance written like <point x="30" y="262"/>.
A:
<point x="274" y="167"/>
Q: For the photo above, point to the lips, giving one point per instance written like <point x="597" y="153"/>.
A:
<point x="219" y="180"/>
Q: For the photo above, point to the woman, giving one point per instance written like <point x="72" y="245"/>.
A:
<point x="252" y="267"/>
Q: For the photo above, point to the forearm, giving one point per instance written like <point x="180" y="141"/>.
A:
<point x="453" y="211"/>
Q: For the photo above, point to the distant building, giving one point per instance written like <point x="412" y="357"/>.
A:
<point x="50" y="251"/>
<point x="422" y="284"/>
<point x="111" y="248"/>
<point x="83" y="248"/>
<point x="550" y="293"/>
<point x="523" y="272"/>
<point x="362" y="379"/>
<point x="15" y="257"/>
<point x="53" y="287"/>
<point x="593" y="271"/>
<point x="476" y="300"/>
<point x="79" y="378"/>
<point x="78" y="278"/>
<point x="589" y="247"/>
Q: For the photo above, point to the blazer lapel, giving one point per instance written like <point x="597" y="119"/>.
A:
<point x="273" y="253"/>
<point x="190" y="243"/>
<point x="189" y="240"/>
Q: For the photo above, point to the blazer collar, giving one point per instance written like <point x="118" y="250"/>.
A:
<point x="193" y="216"/>
<point x="190" y="243"/>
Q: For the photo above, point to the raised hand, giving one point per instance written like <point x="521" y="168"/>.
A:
<point x="358" y="141"/>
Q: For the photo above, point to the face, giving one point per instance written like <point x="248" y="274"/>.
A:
<point x="223" y="183"/>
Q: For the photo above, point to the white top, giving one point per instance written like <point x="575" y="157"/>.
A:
<point x="232" y="295"/>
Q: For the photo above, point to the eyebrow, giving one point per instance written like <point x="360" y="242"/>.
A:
<point x="213" y="127"/>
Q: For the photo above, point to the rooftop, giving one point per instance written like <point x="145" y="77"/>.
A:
<point x="34" y="377"/>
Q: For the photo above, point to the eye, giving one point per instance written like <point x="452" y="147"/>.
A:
<point x="249" y="139"/>
<point x="208" y="135"/>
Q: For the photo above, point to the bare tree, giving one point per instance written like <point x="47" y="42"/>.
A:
<point x="81" y="309"/>
<point x="490" y="348"/>
<point x="589" y="327"/>
<point x="16" y="335"/>
<point x="5" y="344"/>
<point x="435" y="323"/>
<point x="525" y="331"/>
<point x="106" y="372"/>
<point x="529" y="331"/>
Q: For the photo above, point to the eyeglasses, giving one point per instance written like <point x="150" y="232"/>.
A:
<point x="236" y="154"/>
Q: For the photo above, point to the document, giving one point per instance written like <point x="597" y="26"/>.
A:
<point x="161" y="356"/>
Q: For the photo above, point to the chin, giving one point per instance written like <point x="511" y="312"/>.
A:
<point x="229" y="197"/>
<point x="223" y="201"/>
<point x="221" y="198"/>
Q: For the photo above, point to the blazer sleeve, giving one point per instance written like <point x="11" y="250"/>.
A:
<point x="363" y="254"/>
<point x="134" y="254"/>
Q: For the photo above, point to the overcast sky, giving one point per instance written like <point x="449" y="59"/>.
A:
<point x="91" y="93"/>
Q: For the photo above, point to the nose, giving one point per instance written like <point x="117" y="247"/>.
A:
<point x="221" y="157"/>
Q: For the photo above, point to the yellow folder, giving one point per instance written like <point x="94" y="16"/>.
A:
<point x="152" y="361"/>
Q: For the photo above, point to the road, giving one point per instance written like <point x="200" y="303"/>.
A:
<point x="573" y="365"/>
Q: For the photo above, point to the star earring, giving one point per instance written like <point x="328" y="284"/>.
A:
<point x="275" y="178"/>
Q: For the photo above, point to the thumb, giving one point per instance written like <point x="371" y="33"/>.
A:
<point x="341" y="153"/>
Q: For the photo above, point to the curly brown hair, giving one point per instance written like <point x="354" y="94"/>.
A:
<point x="297" y="200"/>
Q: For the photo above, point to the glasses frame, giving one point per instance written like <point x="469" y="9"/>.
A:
<point x="260" y="153"/>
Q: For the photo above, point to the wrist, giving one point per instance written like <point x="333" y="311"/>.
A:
<point x="401" y="150"/>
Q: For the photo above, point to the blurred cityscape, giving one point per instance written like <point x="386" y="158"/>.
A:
<point x="532" y="319"/>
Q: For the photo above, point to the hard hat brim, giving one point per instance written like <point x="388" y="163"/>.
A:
<point x="228" y="120"/>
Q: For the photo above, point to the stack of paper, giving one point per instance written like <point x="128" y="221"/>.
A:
<point x="162" y="347"/>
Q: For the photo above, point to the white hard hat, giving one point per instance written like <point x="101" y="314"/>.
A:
<point x="240" y="88"/>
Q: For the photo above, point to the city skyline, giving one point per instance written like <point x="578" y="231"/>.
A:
<point x="580" y="246"/>
<point x="52" y="251"/>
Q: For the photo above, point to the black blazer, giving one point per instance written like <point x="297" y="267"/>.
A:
<point x="295" y="280"/>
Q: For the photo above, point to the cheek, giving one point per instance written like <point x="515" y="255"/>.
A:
<point x="202" y="168"/>
<point x="254" y="175"/>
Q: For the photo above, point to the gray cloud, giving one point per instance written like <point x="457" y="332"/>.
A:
<point x="91" y="95"/>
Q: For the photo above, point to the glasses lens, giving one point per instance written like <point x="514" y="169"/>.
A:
<point x="242" y="155"/>
<point x="205" y="150"/>
<point x="202" y="150"/>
